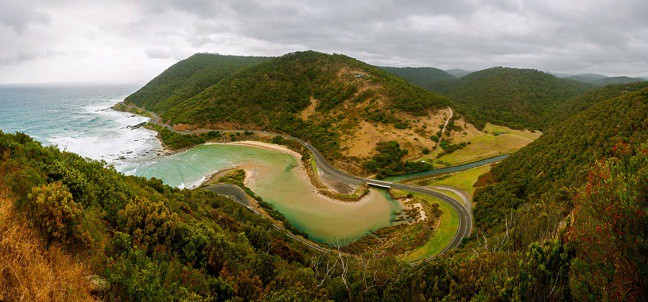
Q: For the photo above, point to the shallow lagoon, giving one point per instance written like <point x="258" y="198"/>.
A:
<point x="278" y="182"/>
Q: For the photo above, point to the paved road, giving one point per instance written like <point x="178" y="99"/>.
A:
<point x="232" y="191"/>
<point x="465" y="214"/>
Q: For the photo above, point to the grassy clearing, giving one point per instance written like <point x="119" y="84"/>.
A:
<point x="397" y="194"/>
<point x="463" y="180"/>
<point x="490" y="128"/>
<point x="493" y="141"/>
<point x="443" y="235"/>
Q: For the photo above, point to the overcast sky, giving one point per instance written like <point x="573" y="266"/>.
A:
<point x="124" y="41"/>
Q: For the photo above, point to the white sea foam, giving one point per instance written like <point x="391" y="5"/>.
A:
<point x="197" y="183"/>
<point x="109" y="135"/>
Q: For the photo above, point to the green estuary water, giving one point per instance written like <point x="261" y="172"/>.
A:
<point x="275" y="178"/>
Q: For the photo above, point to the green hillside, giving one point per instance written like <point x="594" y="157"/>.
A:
<point x="427" y="77"/>
<point x="188" y="78"/>
<point x="517" y="98"/>
<point x="271" y="96"/>
<point x="549" y="170"/>
<point x="587" y="99"/>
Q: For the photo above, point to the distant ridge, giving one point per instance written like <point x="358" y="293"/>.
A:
<point x="616" y="80"/>
<point x="602" y="80"/>
<point x="518" y="98"/>
<point x="587" y="77"/>
<point x="427" y="77"/>
<point x="458" y="72"/>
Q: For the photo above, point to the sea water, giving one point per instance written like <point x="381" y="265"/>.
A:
<point x="78" y="118"/>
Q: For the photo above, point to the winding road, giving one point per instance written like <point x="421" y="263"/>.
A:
<point x="465" y="214"/>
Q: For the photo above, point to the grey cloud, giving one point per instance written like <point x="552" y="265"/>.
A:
<point x="18" y="15"/>
<point x="554" y="35"/>
<point x="19" y="56"/>
<point x="166" y="53"/>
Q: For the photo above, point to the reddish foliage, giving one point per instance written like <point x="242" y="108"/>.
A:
<point x="608" y="233"/>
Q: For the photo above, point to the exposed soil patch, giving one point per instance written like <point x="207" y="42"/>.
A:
<point x="310" y="110"/>
<point x="362" y="141"/>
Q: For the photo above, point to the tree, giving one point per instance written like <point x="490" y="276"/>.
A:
<point x="388" y="161"/>
<point x="544" y="273"/>
<point x="76" y="181"/>
<point x="55" y="213"/>
<point x="150" y="223"/>
<point x="610" y="229"/>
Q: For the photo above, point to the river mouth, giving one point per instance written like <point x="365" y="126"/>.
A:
<point x="278" y="177"/>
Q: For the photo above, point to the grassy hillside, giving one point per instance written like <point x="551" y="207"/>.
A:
<point x="286" y="85"/>
<point x="188" y="78"/>
<point x="551" y="168"/>
<point x="493" y="141"/>
<point x="318" y="97"/>
<point x="517" y="98"/>
<point x="427" y="77"/>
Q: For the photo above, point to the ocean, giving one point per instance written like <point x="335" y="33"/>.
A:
<point x="78" y="118"/>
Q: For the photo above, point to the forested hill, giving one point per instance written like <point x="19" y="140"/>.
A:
<point x="549" y="170"/>
<point x="518" y="98"/>
<point x="585" y="100"/>
<point x="308" y="94"/>
<point x="287" y="83"/>
<point x="188" y="78"/>
<point x="427" y="77"/>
